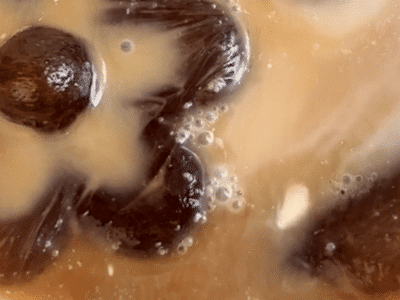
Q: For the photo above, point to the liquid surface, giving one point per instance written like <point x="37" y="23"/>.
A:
<point x="321" y="101"/>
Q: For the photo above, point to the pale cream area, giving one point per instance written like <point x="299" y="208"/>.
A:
<point x="27" y="164"/>
<point x="321" y="101"/>
<point x="335" y="18"/>
<point x="294" y="207"/>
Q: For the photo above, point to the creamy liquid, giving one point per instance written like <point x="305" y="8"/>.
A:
<point x="321" y="101"/>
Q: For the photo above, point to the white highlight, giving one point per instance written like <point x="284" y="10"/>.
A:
<point x="295" y="205"/>
<point x="110" y="269"/>
<point x="98" y="95"/>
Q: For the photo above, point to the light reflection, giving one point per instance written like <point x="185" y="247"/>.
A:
<point x="294" y="207"/>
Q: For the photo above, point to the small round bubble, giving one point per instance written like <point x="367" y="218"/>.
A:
<point x="182" y="136"/>
<point x="238" y="205"/>
<point x="330" y="249"/>
<point x="126" y="46"/>
<point x="223" y="108"/>
<point x="200" y="218"/>
<point x="184" y="245"/>
<point x="199" y="123"/>
<point x="221" y="173"/>
<point x="223" y="193"/>
<point x="211" y="116"/>
<point x="346" y="179"/>
<point x="189" y="177"/>
<point x="205" y="138"/>
<point x="55" y="253"/>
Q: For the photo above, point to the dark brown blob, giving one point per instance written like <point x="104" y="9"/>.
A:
<point x="30" y="244"/>
<point x="158" y="216"/>
<point x="215" y="50"/>
<point x="45" y="78"/>
<point x="361" y="237"/>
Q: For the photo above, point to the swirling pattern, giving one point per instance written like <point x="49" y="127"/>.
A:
<point x="152" y="220"/>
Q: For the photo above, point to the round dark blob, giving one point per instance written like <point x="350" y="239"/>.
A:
<point x="45" y="78"/>
<point x="126" y="46"/>
<point x="359" y="239"/>
<point x="156" y="218"/>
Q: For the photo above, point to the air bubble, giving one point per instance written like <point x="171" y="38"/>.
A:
<point x="199" y="123"/>
<point x="221" y="173"/>
<point x="47" y="244"/>
<point x="126" y="46"/>
<point x="330" y="249"/>
<point x="224" y="108"/>
<point x="162" y="251"/>
<point x="188" y="105"/>
<point x="200" y="218"/>
<point x="211" y="206"/>
<point x="189" y="177"/>
<point x="209" y="191"/>
<point x="223" y="194"/>
<point x="184" y="245"/>
<point x="55" y="253"/>
<point x="205" y="138"/>
<point x="115" y="246"/>
<point x="212" y="116"/>
<point x="216" y="85"/>
<point x="236" y="8"/>
<point x="238" y="205"/>
<point x="346" y="179"/>
<point x="182" y="136"/>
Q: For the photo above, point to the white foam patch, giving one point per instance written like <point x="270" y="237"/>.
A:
<point x="294" y="207"/>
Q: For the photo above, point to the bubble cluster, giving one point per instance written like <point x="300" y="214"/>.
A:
<point x="197" y="128"/>
<point x="350" y="186"/>
<point x="223" y="190"/>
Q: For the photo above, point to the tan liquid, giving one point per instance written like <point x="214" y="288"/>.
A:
<point x="320" y="101"/>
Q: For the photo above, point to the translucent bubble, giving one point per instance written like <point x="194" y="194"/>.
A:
<point x="189" y="177"/>
<point x="126" y="46"/>
<point x="205" y="138"/>
<point x="199" y="123"/>
<point x="216" y="85"/>
<point x="211" y="116"/>
<point x="223" y="193"/>
<point x="55" y="253"/>
<point x="184" y="245"/>
<point x="115" y="246"/>
<point x="346" y="179"/>
<point x="188" y="127"/>
<point x="188" y="105"/>
<point x="221" y="172"/>
<point x="211" y="206"/>
<point x="200" y="218"/>
<point x="224" y="108"/>
<point x="330" y="249"/>
<point x="162" y="251"/>
<point x="182" y="136"/>
<point x="238" y="205"/>
<point x="209" y="191"/>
